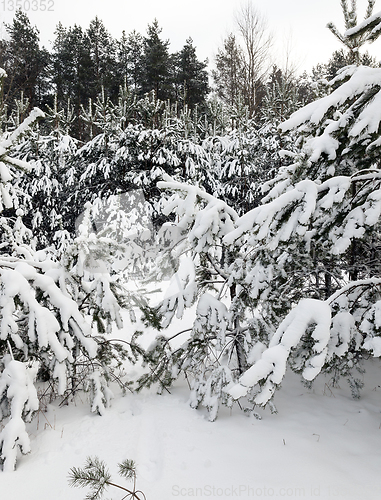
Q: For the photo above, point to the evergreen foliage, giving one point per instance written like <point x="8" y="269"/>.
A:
<point x="191" y="77"/>
<point x="73" y="76"/>
<point x="156" y="64"/>
<point x="103" y="57"/>
<point x="340" y="59"/>
<point x="47" y="296"/>
<point x="358" y="37"/>
<point x="25" y="62"/>
<point x="130" y="56"/>
<point x="242" y="65"/>
<point x="259" y="206"/>
<point x="46" y="187"/>
<point x="227" y="75"/>
<point x="95" y="475"/>
<point x="294" y="282"/>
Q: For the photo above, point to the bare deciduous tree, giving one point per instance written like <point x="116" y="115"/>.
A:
<point x="244" y="61"/>
<point x="256" y="41"/>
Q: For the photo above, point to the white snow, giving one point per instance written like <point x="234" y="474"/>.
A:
<point x="17" y="380"/>
<point x="355" y="82"/>
<point x="343" y="326"/>
<point x="272" y="364"/>
<point x="321" y="444"/>
<point x="375" y="20"/>
<point x="362" y="78"/>
<point x="181" y="290"/>
<point x="34" y="115"/>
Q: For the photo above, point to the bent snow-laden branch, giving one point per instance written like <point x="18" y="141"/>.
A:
<point x="329" y="327"/>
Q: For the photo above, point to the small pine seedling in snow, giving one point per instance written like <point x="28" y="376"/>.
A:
<point x="96" y="476"/>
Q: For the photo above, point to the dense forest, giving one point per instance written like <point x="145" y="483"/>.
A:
<point x="253" y="191"/>
<point x="94" y="89"/>
<point x="84" y="64"/>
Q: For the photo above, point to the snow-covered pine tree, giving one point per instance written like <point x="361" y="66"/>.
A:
<point x="295" y="281"/>
<point x="237" y="163"/>
<point x="48" y="149"/>
<point x="320" y="222"/>
<point x="45" y="302"/>
<point x="136" y="143"/>
<point x="283" y="95"/>
<point x="212" y="351"/>
<point x="125" y="156"/>
<point x="361" y="33"/>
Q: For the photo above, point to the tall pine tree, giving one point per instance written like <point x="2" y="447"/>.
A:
<point x="157" y="64"/>
<point x="103" y="57"/>
<point x="191" y="77"/>
<point x="130" y="61"/>
<point x="26" y="63"/>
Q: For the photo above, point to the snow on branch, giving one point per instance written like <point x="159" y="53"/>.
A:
<point x="17" y="381"/>
<point x="212" y="315"/>
<point x="19" y="286"/>
<point x="359" y="316"/>
<point x="370" y="27"/>
<point x="310" y="316"/>
<point x="363" y="213"/>
<point x="34" y="115"/>
<point x="293" y="212"/>
<point x="331" y="326"/>
<point x="299" y="203"/>
<point x="357" y="101"/>
<point x="209" y="217"/>
<point x="353" y="285"/>
<point x="181" y="291"/>
<point x="7" y="192"/>
<point x="38" y="316"/>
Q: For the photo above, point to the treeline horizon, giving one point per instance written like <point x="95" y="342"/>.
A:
<point x="84" y="64"/>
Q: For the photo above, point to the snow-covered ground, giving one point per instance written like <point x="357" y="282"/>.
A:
<point x="322" y="444"/>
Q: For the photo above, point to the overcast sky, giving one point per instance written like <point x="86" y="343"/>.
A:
<point x="206" y="21"/>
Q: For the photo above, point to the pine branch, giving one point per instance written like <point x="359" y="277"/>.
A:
<point x="95" y="475"/>
<point x="369" y="9"/>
